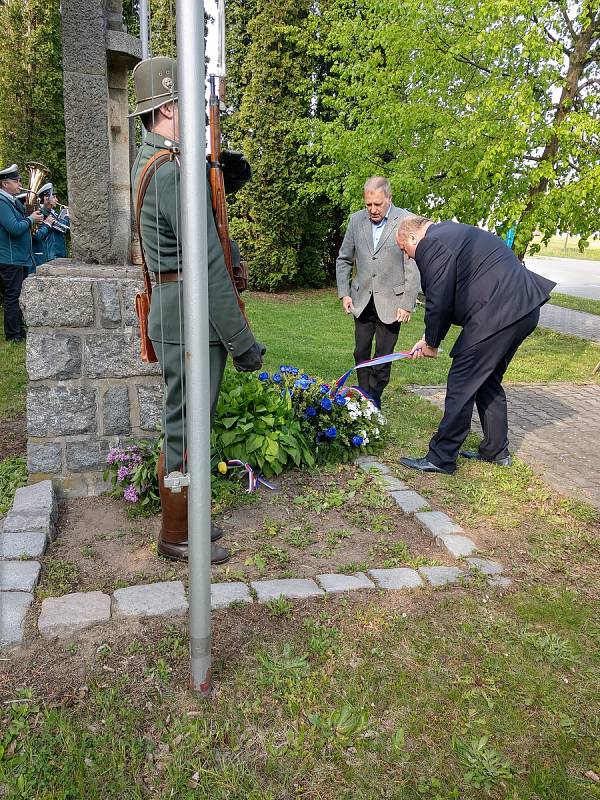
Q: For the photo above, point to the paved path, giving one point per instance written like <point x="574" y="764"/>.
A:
<point x="575" y="323"/>
<point x="553" y="427"/>
<point x="572" y="275"/>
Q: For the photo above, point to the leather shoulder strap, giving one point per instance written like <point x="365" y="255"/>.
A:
<point x="150" y="169"/>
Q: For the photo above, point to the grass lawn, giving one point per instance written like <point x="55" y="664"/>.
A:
<point x="460" y="693"/>
<point x="578" y="303"/>
<point x="566" y="247"/>
<point x="13" y="379"/>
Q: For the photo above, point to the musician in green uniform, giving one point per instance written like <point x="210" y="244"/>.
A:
<point x="17" y="241"/>
<point x="55" y="246"/>
<point x="160" y="231"/>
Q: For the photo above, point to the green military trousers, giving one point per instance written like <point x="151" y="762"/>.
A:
<point x="166" y="331"/>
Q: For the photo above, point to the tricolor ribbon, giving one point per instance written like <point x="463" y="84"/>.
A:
<point x="254" y="480"/>
<point x="338" y="387"/>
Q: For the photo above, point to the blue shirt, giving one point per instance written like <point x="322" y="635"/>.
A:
<point x="378" y="228"/>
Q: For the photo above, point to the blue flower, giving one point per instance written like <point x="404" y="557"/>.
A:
<point x="283" y="368"/>
<point x="324" y="389"/>
<point x="294" y="370"/>
<point x="311" y="411"/>
<point x="357" y="441"/>
<point x="277" y="377"/>
<point x="305" y="377"/>
<point x="263" y="376"/>
<point x="301" y="383"/>
<point x="331" y="433"/>
<point x="326" y="404"/>
<point x="340" y="400"/>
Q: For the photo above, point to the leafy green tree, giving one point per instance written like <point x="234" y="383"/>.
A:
<point x="282" y="229"/>
<point x="486" y="110"/>
<point x="31" y="100"/>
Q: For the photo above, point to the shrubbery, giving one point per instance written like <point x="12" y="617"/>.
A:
<point x="272" y="421"/>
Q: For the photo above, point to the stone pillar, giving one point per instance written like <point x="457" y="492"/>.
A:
<point x="88" y="388"/>
<point x="97" y="54"/>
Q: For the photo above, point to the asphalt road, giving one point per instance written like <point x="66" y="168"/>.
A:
<point x="572" y="275"/>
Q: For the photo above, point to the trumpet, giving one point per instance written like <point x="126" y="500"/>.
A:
<point x="37" y="175"/>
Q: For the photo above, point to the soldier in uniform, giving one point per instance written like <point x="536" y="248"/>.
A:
<point x="17" y="240"/>
<point x="55" y="245"/>
<point x="157" y="104"/>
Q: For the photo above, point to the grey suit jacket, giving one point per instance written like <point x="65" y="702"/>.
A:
<point x="383" y="272"/>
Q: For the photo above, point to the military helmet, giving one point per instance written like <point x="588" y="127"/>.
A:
<point x="155" y="81"/>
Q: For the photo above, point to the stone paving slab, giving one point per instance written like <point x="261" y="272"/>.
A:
<point x="440" y="576"/>
<point x="13" y="609"/>
<point x="37" y="496"/>
<point x="296" y="588"/>
<point x="569" y="321"/>
<point x="335" y="582"/>
<point x="486" y="566"/>
<point x="409" y="501"/>
<point x="457" y="546"/>
<point x="553" y="427"/>
<point x="397" y="578"/>
<point x="392" y="484"/>
<point x="64" y="616"/>
<point x="369" y="464"/>
<point x="436" y="523"/>
<point x="29" y="521"/>
<point x="19" y="576"/>
<point x="224" y="594"/>
<point x="22" y="545"/>
<point x="150" y="600"/>
<point x="500" y="582"/>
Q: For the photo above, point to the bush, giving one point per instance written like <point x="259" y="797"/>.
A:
<point x="287" y="419"/>
<point x="256" y="422"/>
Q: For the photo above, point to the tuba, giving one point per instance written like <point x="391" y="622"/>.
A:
<point x="37" y="175"/>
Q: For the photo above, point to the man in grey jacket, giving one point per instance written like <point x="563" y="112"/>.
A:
<point x="383" y="291"/>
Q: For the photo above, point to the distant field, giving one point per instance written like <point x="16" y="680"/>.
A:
<point x="566" y="247"/>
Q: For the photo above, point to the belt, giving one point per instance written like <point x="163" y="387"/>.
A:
<point x="168" y="277"/>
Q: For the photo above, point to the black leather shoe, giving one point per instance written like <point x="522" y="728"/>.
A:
<point x="215" y="532"/>
<point x="425" y="466"/>
<point x="476" y="456"/>
<point x="179" y="552"/>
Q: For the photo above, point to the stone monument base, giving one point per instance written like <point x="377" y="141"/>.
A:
<point x="88" y="389"/>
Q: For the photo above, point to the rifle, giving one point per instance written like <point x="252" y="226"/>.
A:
<point x="238" y="275"/>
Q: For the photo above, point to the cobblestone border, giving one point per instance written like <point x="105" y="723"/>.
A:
<point x="32" y="523"/>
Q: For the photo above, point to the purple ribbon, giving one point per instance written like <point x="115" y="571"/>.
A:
<point x="254" y="480"/>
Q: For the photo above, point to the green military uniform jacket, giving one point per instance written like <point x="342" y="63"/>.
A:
<point x="161" y="235"/>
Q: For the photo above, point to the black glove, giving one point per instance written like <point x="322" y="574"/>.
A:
<point x="251" y="360"/>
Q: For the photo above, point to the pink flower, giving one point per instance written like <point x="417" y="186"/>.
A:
<point x="122" y="473"/>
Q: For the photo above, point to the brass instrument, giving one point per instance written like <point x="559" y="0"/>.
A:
<point x="37" y="176"/>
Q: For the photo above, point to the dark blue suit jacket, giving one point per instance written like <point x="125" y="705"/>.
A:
<point x="472" y="279"/>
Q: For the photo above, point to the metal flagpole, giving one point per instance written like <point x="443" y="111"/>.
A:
<point x="144" y="28"/>
<point x="192" y="116"/>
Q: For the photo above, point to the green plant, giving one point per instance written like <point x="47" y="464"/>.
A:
<point x="283" y="667"/>
<point x="256" y="423"/>
<point x="58" y="577"/>
<point x="341" y="727"/>
<point x="485" y="766"/>
<point x="352" y="567"/>
<point x="301" y="537"/>
<point x="550" y="647"/>
<point x="279" y="607"/>
<point x="13" y="474"/>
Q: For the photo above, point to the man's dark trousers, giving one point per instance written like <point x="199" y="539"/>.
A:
<point x="373" y="380"/>
<point x="12" y="276"/>
<point x="475" y="377"/>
